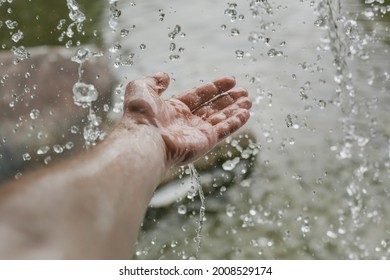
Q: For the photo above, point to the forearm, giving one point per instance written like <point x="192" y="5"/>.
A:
<point x="90" y="207"/>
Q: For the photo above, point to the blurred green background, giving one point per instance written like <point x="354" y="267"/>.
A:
<point x="39" y="20"/>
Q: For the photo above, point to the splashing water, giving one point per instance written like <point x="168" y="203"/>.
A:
<point x="84" y="94"/>
<point x="348" y="47"/>
<point x="77" y="17"/>
<point x="319" y="81"/>
<point x="195" y="179"/>
<point x="310" y="114"/>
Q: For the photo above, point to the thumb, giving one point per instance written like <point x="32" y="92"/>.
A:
<point x="158" y="82"/>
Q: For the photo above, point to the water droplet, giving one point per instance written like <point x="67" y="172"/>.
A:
<point x="255" y="37"/>
<point x="16" y="37"/>
<point x="351" y="29"/>
<point x="69" y="145"/>
<point x="320" y="22"/>
<point x="115" y="48"/>
<point x="174" y="57"/>
<point x="289" y="121"/>
<point x="322" y="104"/>
<point x="94" y="119"/>
<point x="239" y="54"/>
<point x="91" y="133"/>
<point x="26" y="157"/>
<point x="20" y="52"/>
<point x="345" y="151"/>
<point x="47" y="160"/>
<point x="274" y="53"/>
<point x="58" y="149"/>
<point x="11" y="24"/>
<point x="331" y="234"/>
<point x="230" y="164"/>
<point x="61" y="24"/>
<point x="305" y="229"/>
<point x="82" y="55"/>
<point x="118" y="107"/>
<point x="176" y="30"/>
<point x="252" y="212"/>
<point x="296" y="177"/>
<point x="172" y="47"/>
<point x="84" y="93"/>
<point x="124" y="32"/>
<point x="4" y="78"/>
<point x="161" y="16"/>
<point x="338" y="78"/>
<point x="235" y="32"/>
<point x="74" y="129"/>
<point x="75" y="13"/>
<point x="230" y="210"/>
<point x="182" y="209"/>
<point x="369" y="13"/>
<point x="43" y="150"/>
<point x="245" y="154"/>
<point x="231" y="11"/>
<point x="18" y="175"/>
<point x="124" y="60"/>
<point x="34" y="114"/>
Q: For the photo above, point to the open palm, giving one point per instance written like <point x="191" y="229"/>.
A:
<point x="192" y="123"/>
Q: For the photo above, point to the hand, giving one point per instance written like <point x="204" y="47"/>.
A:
<point x="193" y="123"/>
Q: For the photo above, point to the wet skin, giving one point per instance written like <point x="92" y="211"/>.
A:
<point x="92" y="206"/>
<point x="192" y="123"/>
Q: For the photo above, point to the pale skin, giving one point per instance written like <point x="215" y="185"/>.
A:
<point x="92" y="206"/>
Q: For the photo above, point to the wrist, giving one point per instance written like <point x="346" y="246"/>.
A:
<point x="143" y="142"/>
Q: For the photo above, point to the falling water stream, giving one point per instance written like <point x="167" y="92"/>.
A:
<point x="84" y="94"/>
<point x="318" y="74"/>
<point x="195" y="179"/>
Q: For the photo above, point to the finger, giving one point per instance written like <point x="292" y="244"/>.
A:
<point x="231" y="124"/>
<point x="158" y="82"/>
<point x="201" y="95"/>
<point x="243" y="103"/>
<point x="220" y="103"/>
